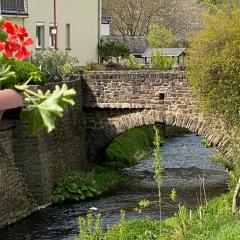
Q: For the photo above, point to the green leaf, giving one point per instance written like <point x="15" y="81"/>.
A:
<point x="1" y="20"/>
<point x="43" y="111"/>
<point x="3" y="35"/>
<point x="7" y="77"/>
<point x="89" y="194"/>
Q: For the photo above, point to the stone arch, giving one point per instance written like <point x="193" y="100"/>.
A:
<point x="110" y="125"/>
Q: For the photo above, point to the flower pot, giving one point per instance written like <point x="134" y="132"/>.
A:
<point x="9" y="99"/>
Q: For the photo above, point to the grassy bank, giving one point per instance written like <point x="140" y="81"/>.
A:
<point x="130" y="147"/>
<point x="214" y="221"/>
<point x="87" y="183"/>
<point x="136" y="144"/>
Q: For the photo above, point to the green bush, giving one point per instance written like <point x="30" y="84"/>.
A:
<point x="53" y="64"/>
<point x="23" y="70"/>
<point x="160" y="37"/>
<point x="92" y="66"/>
<point x="160" y="62"/>
<point x="85" y="184"/>
<point x="132" y="63"/>
<point x="213" y="66"/>
<point x="114" y="66"/>
<point x="113" y="50"/>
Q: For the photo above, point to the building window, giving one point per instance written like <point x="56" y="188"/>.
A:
<point x="52" y="34"/>
<point x="68" y="36"/>
<point x="40" y="35"/>
<point x="105" y="29"/>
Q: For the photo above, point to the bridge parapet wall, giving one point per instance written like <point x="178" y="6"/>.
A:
<point x="166" y="91"/>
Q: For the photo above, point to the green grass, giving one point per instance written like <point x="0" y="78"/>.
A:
<point x="130" y="147"/>
<point x="216" y="223"/>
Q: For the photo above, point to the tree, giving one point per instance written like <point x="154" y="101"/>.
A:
<point x="213" y="72"/>
<point x="159" y="36"/>
<point x="113" y="49"/>
<point x="132" y="17"/>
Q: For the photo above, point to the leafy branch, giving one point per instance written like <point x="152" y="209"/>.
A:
<point x="43" y="109"/>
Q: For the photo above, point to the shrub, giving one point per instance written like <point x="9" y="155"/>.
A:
<point x="213" y="65"/>
<point x="52" y="63"/>
<point x="85" y="184"/>
<point x="160" y="62"/>
<point x="114" y="66"/>
<point x="111" y="49"/>
<point x="23" y="70"/>
<point x="132" y="63"/>
<point x="92" y="66"/>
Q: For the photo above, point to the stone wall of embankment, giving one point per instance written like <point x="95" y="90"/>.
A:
<point x="30" y="165"/>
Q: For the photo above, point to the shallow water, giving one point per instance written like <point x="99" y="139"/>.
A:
<point x="186" y="160"/>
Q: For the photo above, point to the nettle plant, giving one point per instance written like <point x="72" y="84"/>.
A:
<point x="41" y="109"/>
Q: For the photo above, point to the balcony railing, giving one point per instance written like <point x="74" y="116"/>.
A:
<point x="14" y="7"/>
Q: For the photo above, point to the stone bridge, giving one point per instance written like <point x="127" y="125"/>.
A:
<point x="115" y="102"/>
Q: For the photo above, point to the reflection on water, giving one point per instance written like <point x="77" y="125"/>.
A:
<point x="185" y="162"/>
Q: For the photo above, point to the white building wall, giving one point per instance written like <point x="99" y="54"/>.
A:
<point x="83" y="17"/>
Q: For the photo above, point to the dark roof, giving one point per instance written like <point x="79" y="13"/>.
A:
<point x="170" y="52"/>
<point x="106" y="15"/>
<point x="137" y="44"/>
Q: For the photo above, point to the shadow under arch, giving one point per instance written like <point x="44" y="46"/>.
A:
<point x="104" y="125"/>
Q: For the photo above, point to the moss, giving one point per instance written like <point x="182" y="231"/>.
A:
<point x="130" y="147"/>
<point x="136" y="144"/>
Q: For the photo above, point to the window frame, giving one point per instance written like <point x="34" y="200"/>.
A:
<point x="40" y="25"/>
<point x="68" y="36"/>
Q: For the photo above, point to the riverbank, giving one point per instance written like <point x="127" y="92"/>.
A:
<point x="87" y="184"/>
<point x="185" y="159"/>
<point x="213" y="221"/>
<point x="96" y="181"/>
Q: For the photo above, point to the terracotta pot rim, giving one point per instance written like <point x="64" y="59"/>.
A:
<point x="9" y="99"/>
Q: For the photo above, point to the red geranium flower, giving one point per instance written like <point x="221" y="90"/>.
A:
<point x="15" y="44"/>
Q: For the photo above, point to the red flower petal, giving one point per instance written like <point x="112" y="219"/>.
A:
<point x="9" y="27"/>
<point x="8" y="51"/>
<point x="2" y="46"/>
<point x="28" y="42"/>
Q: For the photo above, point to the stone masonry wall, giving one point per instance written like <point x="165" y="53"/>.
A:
<point x="31" y="165"/>
<point x="15" y="200"/>
<point x="120" y="100"/>
<point x="47" y="158"/>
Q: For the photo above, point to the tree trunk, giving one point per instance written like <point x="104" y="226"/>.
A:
<point x="235" y="196"/>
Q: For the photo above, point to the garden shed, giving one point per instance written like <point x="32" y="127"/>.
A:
<point x="177" y="54"/>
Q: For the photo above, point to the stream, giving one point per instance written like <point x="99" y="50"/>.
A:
<point x="186" y="162"/>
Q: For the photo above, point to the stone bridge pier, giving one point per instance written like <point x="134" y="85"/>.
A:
<point x="115" y="102"/>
